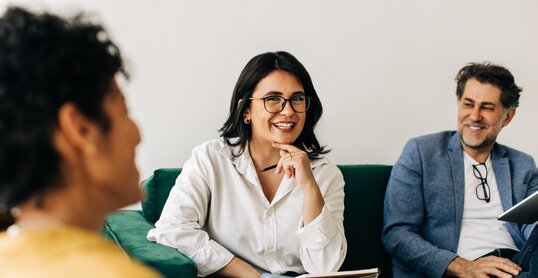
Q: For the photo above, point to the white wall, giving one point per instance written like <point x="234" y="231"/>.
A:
<point x="384" y="69"/>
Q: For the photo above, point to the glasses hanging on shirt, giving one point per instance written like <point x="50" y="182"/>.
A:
<point x="480" y="172"/>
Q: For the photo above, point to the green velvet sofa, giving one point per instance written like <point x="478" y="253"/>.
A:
<point x="363" y="222"/>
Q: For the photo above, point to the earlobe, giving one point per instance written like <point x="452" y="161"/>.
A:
<point x="246" y="121"/>
<point x="246" y="118"/>
<point x="509" y="116"/>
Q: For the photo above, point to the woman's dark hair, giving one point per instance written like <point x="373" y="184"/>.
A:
<point x="488" y="73"/>
<point x="45" y="62"/>
<point x="255" y="70"/>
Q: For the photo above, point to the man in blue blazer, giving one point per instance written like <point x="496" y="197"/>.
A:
<point x="447" y="189"/>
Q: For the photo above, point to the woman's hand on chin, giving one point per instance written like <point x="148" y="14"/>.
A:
<point x="295" y="164"/>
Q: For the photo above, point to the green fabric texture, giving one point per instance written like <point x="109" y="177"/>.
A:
<point x="363" y="216"/>
<point x="363" y="222"/>
<point x="157" y="188"/>
<point x="128" y="229"/>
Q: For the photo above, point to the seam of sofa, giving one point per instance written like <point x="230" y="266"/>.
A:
<point x="113" y="236"/>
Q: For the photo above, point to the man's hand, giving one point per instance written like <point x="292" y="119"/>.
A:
<point x="483" y="267"/>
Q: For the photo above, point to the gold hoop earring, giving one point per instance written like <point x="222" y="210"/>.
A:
<point x="246" y="121"/>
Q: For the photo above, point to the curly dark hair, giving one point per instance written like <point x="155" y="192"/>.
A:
<point x="255" y="70"/>
<point x="45" y="62"/>
<point x="489" y="73"/>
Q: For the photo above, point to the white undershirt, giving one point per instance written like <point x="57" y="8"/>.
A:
<point x="481" y="232"/>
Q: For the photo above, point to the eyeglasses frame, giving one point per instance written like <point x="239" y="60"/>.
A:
<point x="483" y="182"/>
<point x="286" y="100"/>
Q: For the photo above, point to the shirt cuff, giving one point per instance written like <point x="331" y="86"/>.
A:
<point x="211" y="258"/>
<point x="319" y="232"/>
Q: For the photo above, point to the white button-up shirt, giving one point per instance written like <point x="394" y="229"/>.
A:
<point x="217" y="210"/>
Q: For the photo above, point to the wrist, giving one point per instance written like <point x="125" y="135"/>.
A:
<point x="312" y="195"/>
<point x="310" y="186"/>
<point x="312" y="204"/>
<point x="457" y="267"/>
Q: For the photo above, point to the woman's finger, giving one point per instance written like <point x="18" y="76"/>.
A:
<point x="286" y="147"/>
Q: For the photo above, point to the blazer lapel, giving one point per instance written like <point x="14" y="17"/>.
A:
<point x="502" y="175"/>
<point x="501" y="168"/>
<point x="456" y="162"/>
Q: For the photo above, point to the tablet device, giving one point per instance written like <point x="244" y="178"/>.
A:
<point x="524" y="212"/>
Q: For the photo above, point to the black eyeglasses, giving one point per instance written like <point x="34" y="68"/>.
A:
<point x="275" y="104"/>
<point x="482" y="189"/>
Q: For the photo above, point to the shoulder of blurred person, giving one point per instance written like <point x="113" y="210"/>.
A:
<point x="64" y="251"/>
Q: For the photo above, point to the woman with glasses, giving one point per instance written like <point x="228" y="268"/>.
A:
<point x="262" y="198"/>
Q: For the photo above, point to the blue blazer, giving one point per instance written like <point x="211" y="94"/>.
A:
<point x="425" y="196"/>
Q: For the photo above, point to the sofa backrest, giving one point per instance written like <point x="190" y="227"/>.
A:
<point x="157" y="188"/>
<point x="363" y="215"/>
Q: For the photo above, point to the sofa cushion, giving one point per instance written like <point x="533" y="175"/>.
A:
<point x="363" y="217"/>
<point x="157" y="188"/>
<point x="128" y="229"/>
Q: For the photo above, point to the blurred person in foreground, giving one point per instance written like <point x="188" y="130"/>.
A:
<point x="67" y="148"/>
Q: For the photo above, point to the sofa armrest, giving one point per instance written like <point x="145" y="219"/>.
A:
<point x="128" y="229"/>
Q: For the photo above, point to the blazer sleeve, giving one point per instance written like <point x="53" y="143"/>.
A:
<point x="404" y="214"/>
<point x="527" y="229"/>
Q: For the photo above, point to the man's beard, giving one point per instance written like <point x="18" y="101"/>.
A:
<point x="483" y="144"/>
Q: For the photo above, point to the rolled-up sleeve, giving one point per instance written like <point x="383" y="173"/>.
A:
<point x="183" y="217"/>
<point x="211" y="258"/>
<point x="323" y="244"/>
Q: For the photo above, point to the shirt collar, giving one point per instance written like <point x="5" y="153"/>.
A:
<point x="242" y="161"/>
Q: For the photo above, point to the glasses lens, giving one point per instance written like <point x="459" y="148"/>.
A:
<point x="273" y="104"/>
<point x="482" y="191"/>
<point x="480" y="171"/>
<point x="300" y="103"/>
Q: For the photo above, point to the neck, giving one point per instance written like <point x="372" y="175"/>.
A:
<point x="63" y="206"/>
<point x="38" y="222"/>
<point x="479" y="155"/>
<point x="41" y="219"/>
<point x="263" y="155"/>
